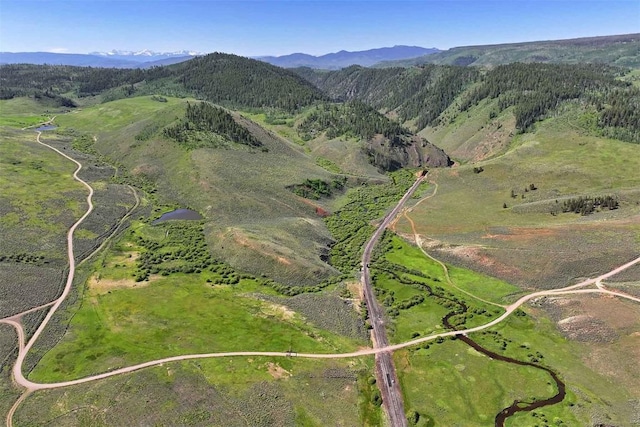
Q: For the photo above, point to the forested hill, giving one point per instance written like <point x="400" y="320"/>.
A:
<point x="621" y="50"/>
<point x="421" y="94"/>
<point x="229" y="80"/>
<point x="388" y="145"/>
<point x="417" y="93"/>
<point x="239" y="81"/>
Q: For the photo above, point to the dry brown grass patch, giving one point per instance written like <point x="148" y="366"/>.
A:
<point x="277" y="371"/>
<point x="355" y="288"/>
<point x="279" y="311"/>
<point x="127" y="260"/>
<point x="101" y="286"/>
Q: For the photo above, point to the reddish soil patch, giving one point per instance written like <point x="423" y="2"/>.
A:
<point x="319" y="210"/>
<point x="283" y="260"/>
<point x="145" y="170"/>
<point x="612" y="310"/>
<point x="587" y="318"/>
<point x="609" y="332"/>
<point x="586" y="328"/>
<point x="243" y="240"/>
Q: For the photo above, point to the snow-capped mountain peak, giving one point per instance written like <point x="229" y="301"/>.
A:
<point x="146" y="53"/>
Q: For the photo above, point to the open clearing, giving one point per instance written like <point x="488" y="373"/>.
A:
<point x="466" y="222"/>
<point x="132" y="325"/>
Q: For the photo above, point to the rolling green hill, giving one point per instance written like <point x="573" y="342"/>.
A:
<point x="622" y="50"/>
<point x="253" y="220"/>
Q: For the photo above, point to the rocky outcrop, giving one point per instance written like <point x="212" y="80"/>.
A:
<point x="404" y="151"/>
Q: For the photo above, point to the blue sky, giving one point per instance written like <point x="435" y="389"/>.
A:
<point x="270" y="27"/>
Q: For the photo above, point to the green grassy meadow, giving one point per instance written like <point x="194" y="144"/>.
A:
<point x="122" y="322"/>
<point x="21" y="112"/>
<point x="453" y="384"/>
<point x="425" y="318"/>
<point x="39" y="202"/>
<point x="480" y="285"/>
<point x="37" y="181"/>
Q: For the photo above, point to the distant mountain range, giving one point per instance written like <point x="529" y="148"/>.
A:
<point x="342" y="59"/>
<point x="111" y="59"/>
<point x="147" y="58"/>
<point x="622" y="50"/>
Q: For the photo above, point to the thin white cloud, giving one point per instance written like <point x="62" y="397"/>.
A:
<point x="58" y="50"/>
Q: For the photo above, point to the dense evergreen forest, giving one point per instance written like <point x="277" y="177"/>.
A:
<point x="352" y="119"/>
<point x="31" y="80"/>
<point x="224" y="79"/>
<point x="420" y="93"/>
<point x="532" y="90"/>
<point x="204" y="117"/>
<point x="237" y="81"/>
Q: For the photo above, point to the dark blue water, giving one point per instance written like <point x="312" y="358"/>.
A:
<point x="46" y="127"/>
<point x="184" y="214"/>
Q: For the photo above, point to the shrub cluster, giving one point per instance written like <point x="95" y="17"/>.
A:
<point x="459" y="310"/>
<point x="317" y="188"/>
<point x="24" y="258"/>
<point x="182" y="250"/>
<point x="297" y="290"/>
<point x="588" y="205"/>
<point x="349" y="225"/>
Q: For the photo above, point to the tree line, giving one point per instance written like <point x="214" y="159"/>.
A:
<point x="535" y="88"/>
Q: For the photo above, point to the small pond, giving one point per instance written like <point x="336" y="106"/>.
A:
<point x="183" y="214"/>
<point x="45" y="127"/>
